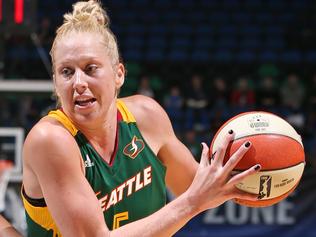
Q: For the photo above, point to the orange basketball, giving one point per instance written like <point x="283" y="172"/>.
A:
<point x="275" y="145"/>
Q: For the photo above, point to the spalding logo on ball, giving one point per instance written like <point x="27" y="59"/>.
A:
<point x="275" y="145"/>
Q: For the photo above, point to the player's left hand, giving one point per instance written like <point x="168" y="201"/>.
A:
<point x="213" y="183"/>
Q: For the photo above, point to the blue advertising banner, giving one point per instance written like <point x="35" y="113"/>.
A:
<point x="292" y="217"/>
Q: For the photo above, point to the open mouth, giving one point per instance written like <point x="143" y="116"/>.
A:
<point x="85" y="102"/>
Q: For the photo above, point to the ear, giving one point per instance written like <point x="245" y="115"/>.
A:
<point x="120" y="76"/>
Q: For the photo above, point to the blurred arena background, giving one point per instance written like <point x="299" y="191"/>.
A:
<point x="204" y="61"/>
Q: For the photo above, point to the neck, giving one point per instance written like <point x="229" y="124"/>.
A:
<point x="101" y="135"/>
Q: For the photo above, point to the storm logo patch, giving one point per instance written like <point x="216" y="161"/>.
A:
<point x="133" y="148"/>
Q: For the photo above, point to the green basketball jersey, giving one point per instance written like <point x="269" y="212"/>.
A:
<point x="130" y="187"/>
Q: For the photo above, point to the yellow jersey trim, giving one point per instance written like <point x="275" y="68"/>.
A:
<point x="126" y="114"/>
<point x="41" y="216"/>
<point x="64" y="120"/>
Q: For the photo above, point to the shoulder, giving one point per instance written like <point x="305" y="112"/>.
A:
<point x="143" y="107"/>
<point x="147" y="112"/>
<point x="47" y="130"/>
<point x="48" y="136"/>
<point x="151" y="118"/>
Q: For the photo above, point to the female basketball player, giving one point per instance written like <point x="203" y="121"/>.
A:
<point x="99" y="163"/>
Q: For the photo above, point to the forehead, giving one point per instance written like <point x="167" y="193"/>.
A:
<point x="77" y="46"/>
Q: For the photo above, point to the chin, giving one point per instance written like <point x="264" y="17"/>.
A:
<point x="86" y="117"/>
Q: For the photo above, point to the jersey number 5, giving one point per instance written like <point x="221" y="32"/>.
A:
<point x="122" y="216"/>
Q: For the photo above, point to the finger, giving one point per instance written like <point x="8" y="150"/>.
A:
<point x="241" y="176"/>
<point x="221" y="150"/>
<point x="236" y="157"/>
<point x="244" y="195"/>
<point x="205" y="155"/>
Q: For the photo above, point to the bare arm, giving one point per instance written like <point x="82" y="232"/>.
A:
<point x="157" y="130"/>
<point x="6" y="229"/>
<point x="52" y="154"/>
<point x="54" y="158"/>
<point x="210" y="188"/>
<point x="70" y="198"/>
<point x="199" y="187"/>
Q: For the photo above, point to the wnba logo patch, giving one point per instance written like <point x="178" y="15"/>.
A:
<point x="265" y="186"/>
<point x="133" y="148"/>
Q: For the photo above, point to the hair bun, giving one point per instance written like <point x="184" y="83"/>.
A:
<point x="85" y="11"/>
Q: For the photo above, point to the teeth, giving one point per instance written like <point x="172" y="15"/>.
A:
<point x="84" y="101"/>
<point x="80" y="100"/>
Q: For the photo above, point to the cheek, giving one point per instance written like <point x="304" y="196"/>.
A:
<point x="106" y="86"/>
<point x="108" y="90"/>
<point x="63" y="91"/>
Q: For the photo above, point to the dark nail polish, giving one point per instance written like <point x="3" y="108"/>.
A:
<point x="247" y="144"/>
<point x="213" y="156"/>
<point x="257" y="167"/>
<point x="230" y="131"/>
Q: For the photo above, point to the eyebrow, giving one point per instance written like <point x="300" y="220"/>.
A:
<point x="76" y="59"/>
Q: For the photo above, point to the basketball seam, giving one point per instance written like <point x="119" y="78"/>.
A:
<point x="263" y="134"/>
<point x="278" y="169"/>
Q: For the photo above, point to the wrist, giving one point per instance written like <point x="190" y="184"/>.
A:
<point x="191" y="204"/>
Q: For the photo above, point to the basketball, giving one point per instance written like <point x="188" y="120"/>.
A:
<point x="276" y="146"/>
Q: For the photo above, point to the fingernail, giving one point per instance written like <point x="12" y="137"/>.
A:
<point x="257" y="167"/>
<point x="247" y="144"/>
<point x="213" y="155"/>
<point x="230" y="131"/>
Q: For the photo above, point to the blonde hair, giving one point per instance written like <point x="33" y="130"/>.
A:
<point x="89" y="17"/>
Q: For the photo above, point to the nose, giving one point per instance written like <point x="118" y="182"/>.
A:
<point x="80" y="84"/>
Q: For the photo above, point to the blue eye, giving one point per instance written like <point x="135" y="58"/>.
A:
<point x="67" y="72"/>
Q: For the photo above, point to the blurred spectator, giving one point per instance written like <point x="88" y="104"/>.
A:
<point x="157" y="86"/>
<point x="173" y="104"/>
<point x="145" y="88"/>
<point x="46" y="33"/>
<point x="219" y="94"/>
<point x="196" y="104"/>
<point x="292" y="92"/>
<point x="191" y="141"/>
<point x="219" y="99"/>
<point x="267" y="96"/>
<point x="243" y="95"/>
<point x="297" y="118"/>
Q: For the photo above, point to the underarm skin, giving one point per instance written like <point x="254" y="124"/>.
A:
<point x="9" y="232"/>
<point x="6" y="229"/>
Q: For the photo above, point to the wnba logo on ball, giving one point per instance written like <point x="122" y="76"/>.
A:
<point x="258" y="122"/>
<point x="265" y="186"/>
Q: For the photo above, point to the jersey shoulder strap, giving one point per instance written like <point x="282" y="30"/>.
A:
<point x="64" y="120"/>
<point x="61" y="117"/>
<point x="127" y="116"/>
